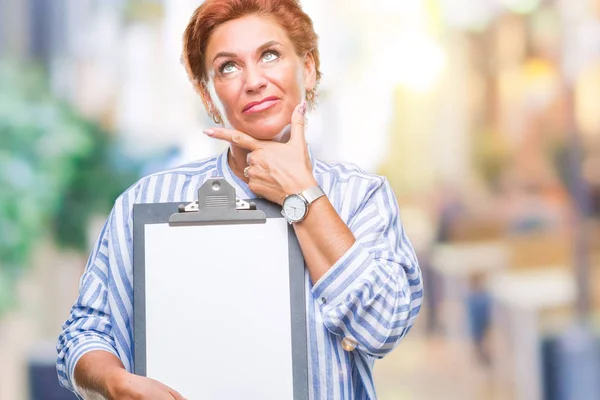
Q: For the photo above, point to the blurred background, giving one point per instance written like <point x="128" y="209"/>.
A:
<point x="484" y="115"/>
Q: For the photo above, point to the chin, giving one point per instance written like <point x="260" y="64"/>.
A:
<point x="265" y="129"/>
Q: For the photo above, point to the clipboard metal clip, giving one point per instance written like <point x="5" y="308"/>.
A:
<point x="217" y="204"/>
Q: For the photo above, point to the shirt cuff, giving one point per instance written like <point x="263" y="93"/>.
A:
<point x="78" y="350"/>
<point x="333" y="287"/>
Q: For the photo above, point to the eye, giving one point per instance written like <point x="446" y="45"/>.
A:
<point x="270" y="55"/>
<point x="227" y="67"/>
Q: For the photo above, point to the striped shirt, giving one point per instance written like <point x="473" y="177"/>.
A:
<point x="371" y="295"/>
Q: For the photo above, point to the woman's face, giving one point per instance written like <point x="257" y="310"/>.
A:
<point x="256" y="75"/>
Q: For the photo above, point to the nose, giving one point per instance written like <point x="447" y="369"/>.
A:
<point x="255" y="80"/>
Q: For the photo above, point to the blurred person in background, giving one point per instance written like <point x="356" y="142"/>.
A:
<point x="479" y="304"/>
<point x="255" y="64"/>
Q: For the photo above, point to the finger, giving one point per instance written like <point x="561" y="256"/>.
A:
<point x="264" y="190"/>
<point x="176" y="395"/>
<point x="256" y="158"/>
<point x="256" y="172"/>
<point x="235" y="137"/>
<point x="298" y="123"/>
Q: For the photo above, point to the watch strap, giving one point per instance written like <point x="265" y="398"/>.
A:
<point x="312" y="193"/>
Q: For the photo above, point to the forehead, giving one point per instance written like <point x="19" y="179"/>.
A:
<point x="245" y="35"/>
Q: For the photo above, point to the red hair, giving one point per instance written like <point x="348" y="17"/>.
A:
<point x="213" y="13"/>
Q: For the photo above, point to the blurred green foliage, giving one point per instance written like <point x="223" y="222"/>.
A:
<point x="56" y="171"/>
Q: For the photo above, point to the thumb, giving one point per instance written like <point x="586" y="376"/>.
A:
<point x="298" y="123"/>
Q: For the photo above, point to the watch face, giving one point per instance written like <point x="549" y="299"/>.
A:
<point x="294" y="208"/>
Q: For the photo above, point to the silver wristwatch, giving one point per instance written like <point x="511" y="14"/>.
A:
<point x="295" y="206"/>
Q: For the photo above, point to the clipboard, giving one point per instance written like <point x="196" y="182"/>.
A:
<point x="219" y="298"/>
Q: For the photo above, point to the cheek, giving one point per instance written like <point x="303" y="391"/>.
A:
<point x="283" y="82"/>
<point x="226" y="95"/>
<point x="292" y="80"/>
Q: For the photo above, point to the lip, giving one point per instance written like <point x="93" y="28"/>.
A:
<point x="252" y="107"/>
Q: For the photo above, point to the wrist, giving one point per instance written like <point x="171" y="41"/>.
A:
<point x="301" y="185"/>
<point x="117" y="383"/>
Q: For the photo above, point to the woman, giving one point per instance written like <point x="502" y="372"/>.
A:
<point x="255" y="63"/>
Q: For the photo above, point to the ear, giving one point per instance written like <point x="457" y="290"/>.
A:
<point x="207" y="99"/>
<point x="310" y="71"/>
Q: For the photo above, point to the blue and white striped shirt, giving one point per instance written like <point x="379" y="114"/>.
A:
<point x="373" y="293"/>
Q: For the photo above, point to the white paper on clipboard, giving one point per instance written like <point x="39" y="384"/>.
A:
<point x="212" y="330"/>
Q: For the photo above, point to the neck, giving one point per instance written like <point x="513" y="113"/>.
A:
<point x="236" y="157"/>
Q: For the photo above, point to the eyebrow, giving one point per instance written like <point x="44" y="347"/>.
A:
<point x="260" y="49"/>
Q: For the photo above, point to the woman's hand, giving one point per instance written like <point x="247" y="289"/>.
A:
<point x="275" y="169"/>
<point x="128" y="386"/>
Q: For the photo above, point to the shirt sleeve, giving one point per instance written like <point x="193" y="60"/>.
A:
<point x="89" y="324"/>
<point x="373" y="293"/>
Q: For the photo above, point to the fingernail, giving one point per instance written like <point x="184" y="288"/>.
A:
<point x="208" y="132"/>
<point x="302" y="109"/>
